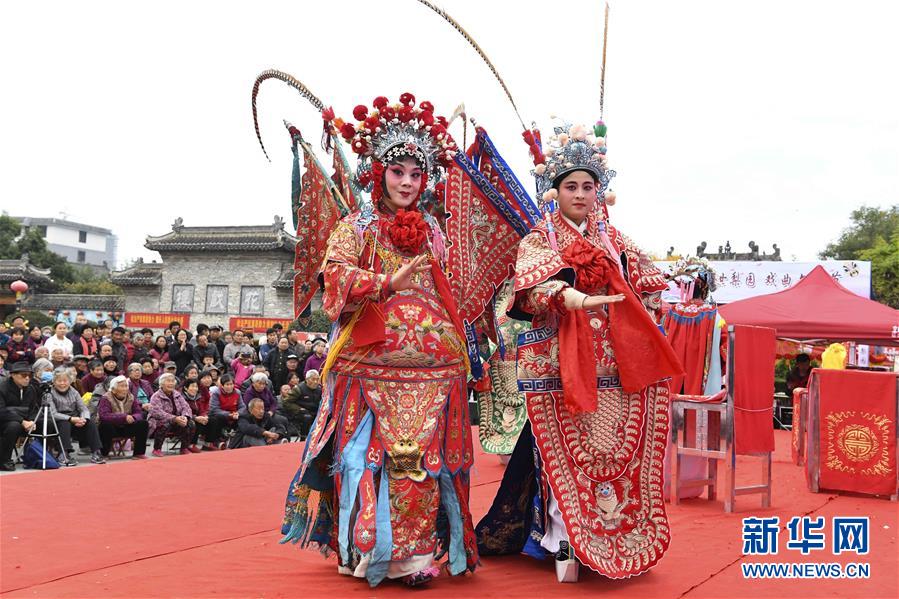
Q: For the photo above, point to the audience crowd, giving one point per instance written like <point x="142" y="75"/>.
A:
<point x="109" y="388"/>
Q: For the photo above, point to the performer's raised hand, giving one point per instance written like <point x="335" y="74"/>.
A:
<point x="595" y="301"/>
<point x="402" y="278"/>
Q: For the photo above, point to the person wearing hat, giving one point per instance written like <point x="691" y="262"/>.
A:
<point x="80" y="362"/>
<point x="170" y="367"/>
<point x="20" y="400"/>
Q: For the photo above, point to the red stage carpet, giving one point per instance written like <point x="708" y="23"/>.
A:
<point x="206" y="525"/>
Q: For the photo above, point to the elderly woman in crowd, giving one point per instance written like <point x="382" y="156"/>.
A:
<point x="94" y="376"/>
<point x="73" y="418"/>
<point x="139" y="388"/>
<point x="121" y="416"/>
<point x="190" y="389"/>
<point x="317" y="359"/>
<point x="255" y="427"/>
<point x="171" y="415"/>
<point x="57" y="357"/>
<point x="225" y="406"/>
<point x="260" y="389"/>
<point x="42" y="370"/>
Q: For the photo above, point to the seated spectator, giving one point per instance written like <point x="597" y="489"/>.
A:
<point x="214" y="372"/>
<point x="83" y="340"/>
<point x="208" y="362"/>
<point x="4" y="333"/>
<point x="204" y="384"/>
<point x="160" y="351"/>
<point x="42" y="370"/>
<point x="121" y="416"/>
<point x="170" y="368"/>
<point x="301" y="404"/>
<point x="149" y="371"/>
<point x="170" y="415"/>
<point x="20" y="400"/>
<point x="190" y="389"/>
<point x="317" y="360"/>
<point x="205" y="350"/>
<point x="255" y="427"/>
<point x="138" y="387"/>
<point x="191" y="372"/>
<point x="3" y="371"/>
<point x="36" y="337"/>
<point x="41" y="352"/>
<point x="180" y="352"/>
<point x="225" y="405"/>
<point x="105" y="351"/>
<point x="57" y="358"/>
<point x="18" y="347"/>
<point x="242" y="368"/>
<point x="94" y="376"/>
<point x="111" y="366"/>
<point x="60" y="341"/>
<point x="236" y="348"/>
<point x="121" y="348"/>
<point x="138" y="351"/>
<point x="73" y="418"/>
<point x="260" y="389"/>
<point x="79" y="363"/>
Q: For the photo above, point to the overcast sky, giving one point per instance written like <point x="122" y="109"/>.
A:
<point x="764" y="121"/>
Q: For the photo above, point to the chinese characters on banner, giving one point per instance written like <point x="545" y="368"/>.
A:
<point x="737" y="280"/>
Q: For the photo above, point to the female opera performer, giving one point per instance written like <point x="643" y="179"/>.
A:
<point x="384" y="478"/>
<point x="585" y="479"/>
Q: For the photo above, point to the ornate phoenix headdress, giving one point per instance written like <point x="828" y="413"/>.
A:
<point x="392" y="131"/>
<point x="690" y="272"/>
<point x="569" y="149"/>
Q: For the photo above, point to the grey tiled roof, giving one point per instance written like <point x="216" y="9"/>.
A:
<point x="11" y="270"/>
<point x="61" y="301"/>
<point x="217" y="239"/>
<point x="139" y="275"/>
<point x="285" y="281"/>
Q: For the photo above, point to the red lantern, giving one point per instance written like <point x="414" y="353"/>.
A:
<point x="19" y="286"/>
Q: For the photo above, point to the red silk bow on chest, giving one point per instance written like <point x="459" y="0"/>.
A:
<point x="641" y="352"/>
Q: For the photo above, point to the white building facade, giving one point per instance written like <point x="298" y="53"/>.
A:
<point x="78" y="243"/>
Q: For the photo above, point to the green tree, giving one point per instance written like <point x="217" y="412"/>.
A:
<point x="884" y="258"/>
<point x="873" y="236"/>
<point x="316" y="322"/>
<point x="868" y="224"/>
<point x="98" y="287"/>
<point x="9" y="230"/>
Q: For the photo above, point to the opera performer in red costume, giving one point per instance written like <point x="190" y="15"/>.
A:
<point x="594" y="370"/>
<point x="391" y="446"/>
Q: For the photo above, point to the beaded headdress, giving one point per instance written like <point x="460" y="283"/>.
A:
<point x="570" y="149"/>
<point x="690" y="271"/>
<point x="392" y="131"/>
